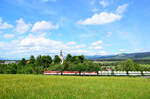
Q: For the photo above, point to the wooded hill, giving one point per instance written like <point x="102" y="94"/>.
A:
<point x="134" y="56"/>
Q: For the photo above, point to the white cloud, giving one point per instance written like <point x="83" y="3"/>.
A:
<point x="0" y="20"/>
<point x="96" y="45"/>
<point x="45" y="45"/>
<point x="7" y="36"/>
<point x="122" y="50"/>
<point x="109" y="34"/>
<point x="102" y="18"/>
<point x="94" y="10"/>
<point x="103" y="3"/>
<point x="43" y="25"/>
<point x="36" y="45"/>
<point x="39" y="41"/>
<point x="22" y="27"/>
<point x="121" y="8"/>
<point x="131" y="50"/>
<point x="71" y="43"/>
<point x="5" y="25"/>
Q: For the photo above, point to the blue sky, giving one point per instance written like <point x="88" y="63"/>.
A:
<point x="89" y="27"/>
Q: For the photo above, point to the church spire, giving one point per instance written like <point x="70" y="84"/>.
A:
<point x="61" y="53"/>
<point x="61" y="57"/>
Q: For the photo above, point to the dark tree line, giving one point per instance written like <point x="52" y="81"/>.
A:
<point x="33" y="65"/>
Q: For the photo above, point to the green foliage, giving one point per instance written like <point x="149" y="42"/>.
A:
<point x="81" y="58"/>
<point x="8" y="68"/>
<point x="22" y="62"/>
<point x="44" y="61"/>
<point x="75" y="60"/>
<point x="39" y="60"/>
<point x="78" y="59"/>
<point x="56" y="67"/>
<point x="85" y="66"/>
<point x="32" y="60"/>
<point x="128" y="65"/>
<point x="68" y="58"/>
<point x="57" y="60"/>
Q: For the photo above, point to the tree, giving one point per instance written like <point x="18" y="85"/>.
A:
<point x="127" y="65"/>
<point x="12" y="68"/>
<point x="39" y="60"/>
<point x="22" y="62"/>
<point x="69" y="58"/>
<point x="57" y="60"/>
<point x="46" y="61"/>
<point x="3" y="68"/>
<point x="75" y="59"/>
<point x="81" y="58"/>
<point x="49" y="59"/>
<point x="31" y="60"/>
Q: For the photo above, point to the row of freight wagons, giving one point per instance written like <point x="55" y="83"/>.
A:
<point x="100" y="73"/>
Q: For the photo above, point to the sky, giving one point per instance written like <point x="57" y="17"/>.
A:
<point x="87" y="27"/>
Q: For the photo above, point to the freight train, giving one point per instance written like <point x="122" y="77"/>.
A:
<point x="99" y="73"/>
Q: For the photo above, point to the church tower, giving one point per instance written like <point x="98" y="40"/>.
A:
<point x="61" y="57"/>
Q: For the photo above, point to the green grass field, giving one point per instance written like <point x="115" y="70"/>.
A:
<point x="73" y="87"/>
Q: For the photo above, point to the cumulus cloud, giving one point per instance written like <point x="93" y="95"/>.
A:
<point x="22" y="27"/>
<point x="7" y="36"/>
<point x="96" y="45"/>
<point x="5" y="25"/>
<point x="104" y="17"/>
<point x="40" y="45"/>
<point x="101" y="18"/>
<point x="103" y="3"/>
<point x="43" y="26"/>
<point x="39" y="41"/>
<point x="122" y="50"/>
<point x="121" y="8"/>
<point x="71" y="43"/>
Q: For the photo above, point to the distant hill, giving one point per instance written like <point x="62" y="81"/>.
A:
<point x="142" y="55"/>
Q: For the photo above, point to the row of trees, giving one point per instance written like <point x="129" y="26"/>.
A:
<point x="33" y="65"/>
<point x="71" y="63"/>
<point x="41" y="63"/>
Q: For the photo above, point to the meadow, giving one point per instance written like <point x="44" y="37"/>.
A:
<point x="20" y="86"/>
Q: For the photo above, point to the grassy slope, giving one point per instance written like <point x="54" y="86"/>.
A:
<point x="68" y="87"/>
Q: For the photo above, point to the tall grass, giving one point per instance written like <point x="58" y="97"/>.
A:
<point x="72" y="87"/>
